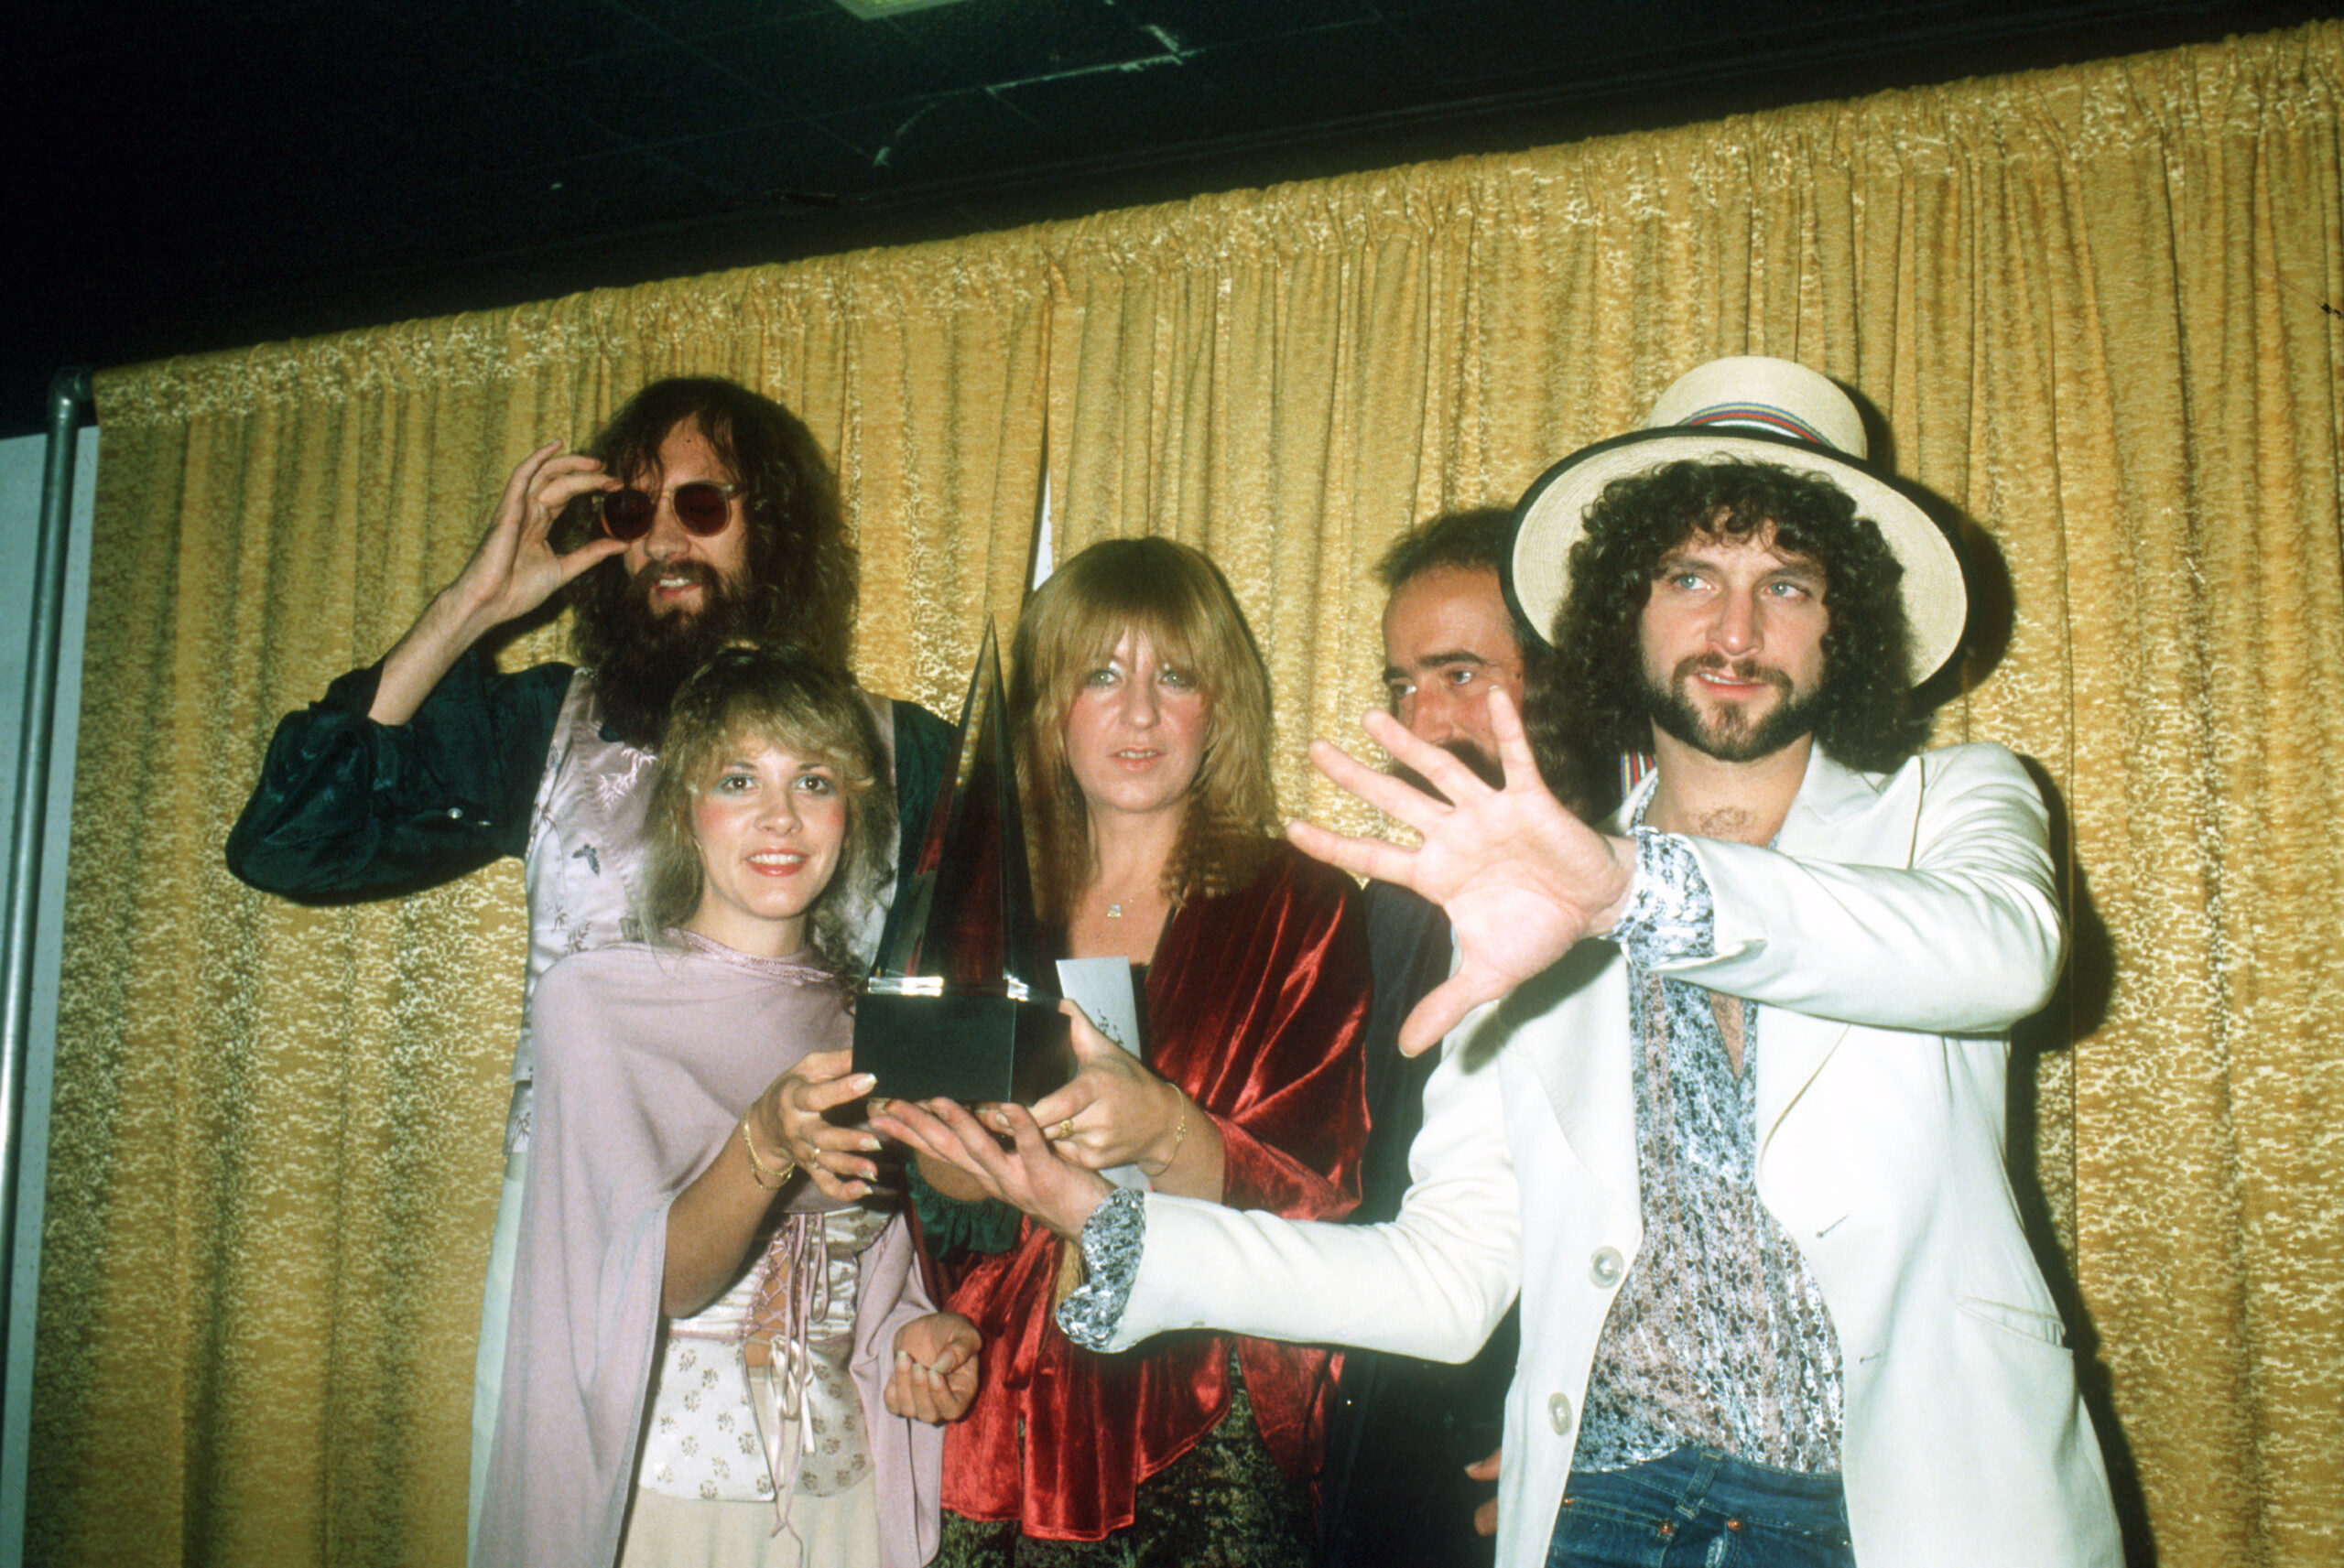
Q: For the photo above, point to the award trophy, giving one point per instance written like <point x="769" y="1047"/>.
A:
<point x="962" y="1005"/>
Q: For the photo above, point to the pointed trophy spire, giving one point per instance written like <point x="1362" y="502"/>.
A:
<point x="968" y="900"/>
<point x="962" y="1003"/>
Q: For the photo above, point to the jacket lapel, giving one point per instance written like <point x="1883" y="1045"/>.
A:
<point x="1793" y="1046"/>
<point x="1573" y="1019"/>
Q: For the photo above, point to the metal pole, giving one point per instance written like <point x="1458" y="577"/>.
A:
<point x="68" y="395"/>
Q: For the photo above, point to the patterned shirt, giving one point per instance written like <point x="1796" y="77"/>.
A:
<point x="1719" y="1335"/>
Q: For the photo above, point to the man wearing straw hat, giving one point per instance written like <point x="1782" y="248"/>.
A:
<point x="1722" y="1090"/>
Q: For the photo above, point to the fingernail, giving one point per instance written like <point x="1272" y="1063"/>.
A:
<point x="903" y="1357"/>
<point x="864" y="1082"/>
<point x="1000" y="1119"/>
<point x="869" y="1145"/>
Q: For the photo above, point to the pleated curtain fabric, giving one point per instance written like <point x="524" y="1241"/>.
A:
<point x="2095" y="311"/>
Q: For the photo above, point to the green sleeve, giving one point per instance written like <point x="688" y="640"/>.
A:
<point x="923" y="752"/>
<point x="951" y="1228"/>
<point x="349" y="808"/>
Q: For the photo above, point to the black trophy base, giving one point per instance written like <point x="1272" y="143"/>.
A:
<point x="969" y="1046"/>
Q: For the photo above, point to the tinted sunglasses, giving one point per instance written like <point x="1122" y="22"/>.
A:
<point x="703" y="506"/>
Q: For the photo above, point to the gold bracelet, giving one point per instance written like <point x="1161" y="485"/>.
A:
<point x="1179" y="1132"/>
<point x="764" y="1175"/>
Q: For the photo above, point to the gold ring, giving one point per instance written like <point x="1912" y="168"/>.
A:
<point x="1064" y="1131"/>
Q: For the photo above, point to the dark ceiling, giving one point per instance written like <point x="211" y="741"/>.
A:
<point x="193" y="176"/>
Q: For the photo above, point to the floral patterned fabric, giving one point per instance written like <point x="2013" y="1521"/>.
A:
<point x="1719" y="1335"/>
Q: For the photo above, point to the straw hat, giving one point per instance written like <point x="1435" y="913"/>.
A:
<point x="1748" y="409"/>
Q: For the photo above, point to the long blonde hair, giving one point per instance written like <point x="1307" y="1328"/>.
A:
<point x="796" y="702"/>
<point x="1177" y="598"/>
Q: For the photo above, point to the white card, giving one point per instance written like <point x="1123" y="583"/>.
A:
<point x="1102" y="988"/>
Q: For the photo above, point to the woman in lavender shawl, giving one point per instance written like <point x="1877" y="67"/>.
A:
<point x="719" y="1354"/>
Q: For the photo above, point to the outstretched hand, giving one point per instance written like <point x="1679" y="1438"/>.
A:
<point x="1521" y="878"/>
<point x="1029" y="1175"/>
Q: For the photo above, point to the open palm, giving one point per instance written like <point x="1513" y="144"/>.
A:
<point x="1522" y="880"/>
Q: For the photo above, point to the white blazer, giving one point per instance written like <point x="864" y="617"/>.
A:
<point x="1897" y="928"/>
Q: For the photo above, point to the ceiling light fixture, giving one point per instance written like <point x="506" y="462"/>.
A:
<point x="879" y="10"/>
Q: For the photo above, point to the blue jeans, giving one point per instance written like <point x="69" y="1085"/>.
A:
<point x="1694" y="1508"/>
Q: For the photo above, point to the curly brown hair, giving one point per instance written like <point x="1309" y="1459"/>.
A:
<point x="1179" y="600"/>
<point x="793" y="701"/>
<point x="1863" y="713"/>
<point x="803" y="570"/>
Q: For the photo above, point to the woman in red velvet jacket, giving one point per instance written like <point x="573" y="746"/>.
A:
<point x="1142" y="721"/>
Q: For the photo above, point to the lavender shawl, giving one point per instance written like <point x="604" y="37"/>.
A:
<point x="646" y="1058"/>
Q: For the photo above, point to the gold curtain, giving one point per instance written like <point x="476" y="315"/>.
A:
<point x="2093" y="310"/>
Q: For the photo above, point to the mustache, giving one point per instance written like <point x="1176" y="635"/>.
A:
<point x="1735" y="669"/>
<point x="647" y="581"/>
<point x="1484" y="767"/>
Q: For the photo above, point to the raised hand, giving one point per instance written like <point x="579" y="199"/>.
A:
<point x="1521" y="878"/>
<point x="789" y="1115"/>
<point x="513" y="571"/>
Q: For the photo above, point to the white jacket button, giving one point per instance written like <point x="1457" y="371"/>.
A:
<point x="1606" y="1267"/>
<point x="1559" y="1411"/>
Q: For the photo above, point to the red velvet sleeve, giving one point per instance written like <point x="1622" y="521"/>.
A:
<point x="1256" y="1006"/>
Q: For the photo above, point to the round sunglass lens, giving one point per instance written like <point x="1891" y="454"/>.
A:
<point x="702" y="507"/>
<point x="626" y="514"/>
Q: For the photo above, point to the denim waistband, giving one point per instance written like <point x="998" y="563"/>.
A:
<point x="1687" y="1480"/>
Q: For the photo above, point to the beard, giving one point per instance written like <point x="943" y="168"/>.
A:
<point x="1485" y="767"/>
<point x="648" y="654"/>
<point x="1729" y="734"/>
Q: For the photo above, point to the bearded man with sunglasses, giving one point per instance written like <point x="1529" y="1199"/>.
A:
<point x="701" y="514"/>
